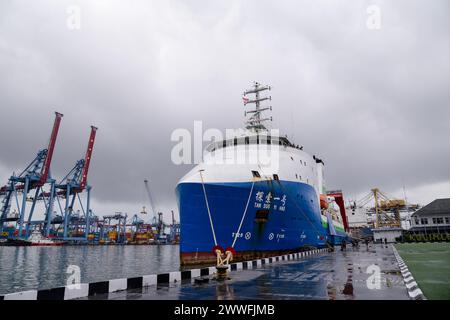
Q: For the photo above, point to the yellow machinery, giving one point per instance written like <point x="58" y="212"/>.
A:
<point x="384" y="204"/>
<point x="386" y="209"/>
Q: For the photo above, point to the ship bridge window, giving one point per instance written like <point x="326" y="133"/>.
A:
<point x="256" y="174"/>
<point x="258" y="139"/>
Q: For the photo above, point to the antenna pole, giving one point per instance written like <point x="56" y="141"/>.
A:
<point x="255" y="122"/>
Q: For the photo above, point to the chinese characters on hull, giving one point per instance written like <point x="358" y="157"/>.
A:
<point x="270" y="201"/>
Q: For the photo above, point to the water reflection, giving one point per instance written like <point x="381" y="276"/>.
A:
<point x="224" y="291"/>
<point x="25" y="268"/>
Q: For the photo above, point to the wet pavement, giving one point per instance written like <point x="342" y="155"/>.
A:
<point x="340" y="275"/>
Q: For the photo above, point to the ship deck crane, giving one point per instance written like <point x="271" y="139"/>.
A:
<point x="70" y="188"/>
<point x="35" y="176"/>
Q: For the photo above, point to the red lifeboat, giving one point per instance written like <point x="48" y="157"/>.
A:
<point x="323" y="201"/>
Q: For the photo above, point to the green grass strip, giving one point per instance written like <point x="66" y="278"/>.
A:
<point x="429" y="264"/>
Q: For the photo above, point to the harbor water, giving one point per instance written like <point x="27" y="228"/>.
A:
<point x="27" y="268"/>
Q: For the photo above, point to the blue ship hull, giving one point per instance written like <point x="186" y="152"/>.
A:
<point x="282" y="216"/>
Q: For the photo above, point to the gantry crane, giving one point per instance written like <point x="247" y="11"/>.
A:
<point x="136" y="223"/>
<point x="35" y="176"/>
<point x="385" y="208"/>
<point x="115" y="232"/>
<point x="158" y="222"/>
<point x="69" y="190"/>
<point x="174" y="230"/>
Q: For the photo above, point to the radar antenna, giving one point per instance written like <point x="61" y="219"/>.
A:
<point x="255" y="121"/>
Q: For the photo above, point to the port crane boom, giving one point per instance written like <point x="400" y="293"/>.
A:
<point x="147" y="188"/>
<point x="87" y="159"/>
<point x="50" y="149"/>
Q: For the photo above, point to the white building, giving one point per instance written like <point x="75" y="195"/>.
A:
<point x="386" y="234"/>
<point x="434" y="217"/>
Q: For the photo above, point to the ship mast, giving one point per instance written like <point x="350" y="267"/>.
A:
<point x="255" y="121"/>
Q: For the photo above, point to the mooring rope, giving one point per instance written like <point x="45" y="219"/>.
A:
<point x="207" y="207"/>
<point x="243" y="216"/>
<point x="229" y="255"/>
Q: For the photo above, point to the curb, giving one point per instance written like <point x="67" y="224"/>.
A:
<point x="414" y="291"/>
<point x="83" y="290"/>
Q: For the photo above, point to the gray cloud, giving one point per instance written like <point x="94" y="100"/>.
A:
<point x="374" y="104"/>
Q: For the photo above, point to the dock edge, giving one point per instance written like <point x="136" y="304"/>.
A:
<point x="414" y="292"/>
<point x="83" y="290"/>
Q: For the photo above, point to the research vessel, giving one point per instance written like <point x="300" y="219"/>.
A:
<point x="256" y="194"/>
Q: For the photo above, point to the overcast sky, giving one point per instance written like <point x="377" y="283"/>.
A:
<point x="373" y="103"/>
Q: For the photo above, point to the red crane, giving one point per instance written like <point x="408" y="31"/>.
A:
<point x="87" y="158"/>
<point x="34" y="176"/>
<point x="74" y="183"/>
<point x="76" y="179"/>
<point x="51" y="147"/>
<point x="43" y="158"/>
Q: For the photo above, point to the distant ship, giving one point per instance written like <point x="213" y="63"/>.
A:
<point x="254" y="209"/>
<point x="35" y="239"/>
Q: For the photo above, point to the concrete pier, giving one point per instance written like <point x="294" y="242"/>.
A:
<point x="367" y="273"/>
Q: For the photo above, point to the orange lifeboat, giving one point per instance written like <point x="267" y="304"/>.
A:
<point x="323" y="201"/>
